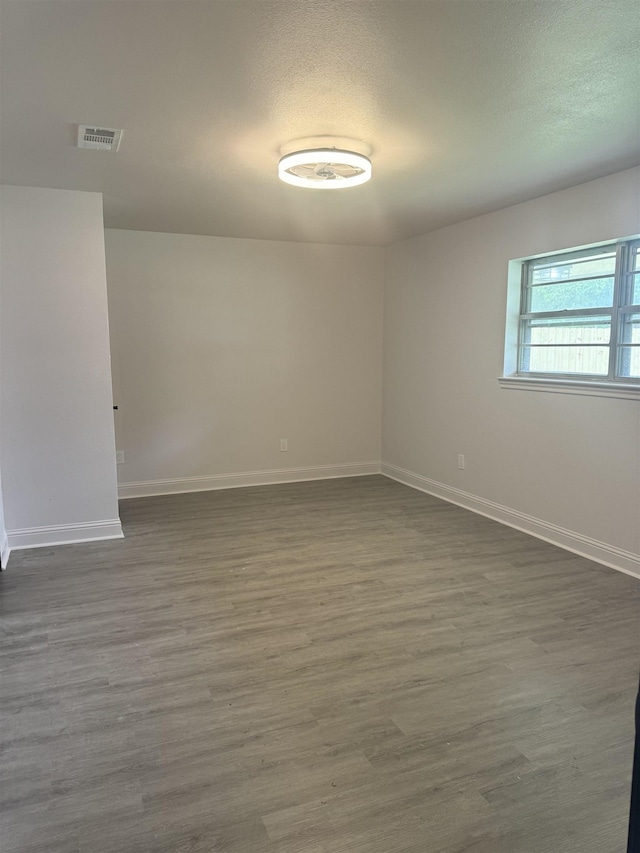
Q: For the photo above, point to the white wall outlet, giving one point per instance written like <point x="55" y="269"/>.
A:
<point x="120" y="457"/>
<point x="284" y="444"/>
<point x="461" y="461"/>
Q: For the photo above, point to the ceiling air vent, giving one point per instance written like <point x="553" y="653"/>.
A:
<point x="99" y="138"/>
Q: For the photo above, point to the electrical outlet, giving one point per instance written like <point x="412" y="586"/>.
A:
<point x="120" y="457"/>
<point x="461" y="461"/>
<point x="284" y="444"/>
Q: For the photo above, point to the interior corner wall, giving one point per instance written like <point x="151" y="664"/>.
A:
<point x="222" y="347"/>
<point x="58" y="452"/>
<point x="570" y="462"/>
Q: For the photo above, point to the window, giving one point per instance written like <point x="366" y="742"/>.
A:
<point x="580" y="315"/>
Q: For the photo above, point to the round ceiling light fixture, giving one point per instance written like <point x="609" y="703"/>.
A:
<point x="324" y="168"/>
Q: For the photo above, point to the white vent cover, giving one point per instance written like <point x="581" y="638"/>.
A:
<point x="99" y="138"/>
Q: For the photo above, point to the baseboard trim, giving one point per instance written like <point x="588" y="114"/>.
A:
<point x="584" y="546"/>
<point x="5" y="550"/>
<point x="64" y="534"/>
<point x="148" y="488"/>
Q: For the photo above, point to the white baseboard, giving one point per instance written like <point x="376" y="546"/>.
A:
<point x="64" y="534"/>
<point x="5" y="550"/>
<point x="147" y="488"/>
<point x="592" y="549"/>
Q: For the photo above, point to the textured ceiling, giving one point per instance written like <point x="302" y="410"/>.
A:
<point x="466" y="105"/>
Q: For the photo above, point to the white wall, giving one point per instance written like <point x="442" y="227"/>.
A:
<point x="58" y="453"/>
<point x="221" y="347"/>
<point x="4" y="539"/>
<point x="570" y="461"/>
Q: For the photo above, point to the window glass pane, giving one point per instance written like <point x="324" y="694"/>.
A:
<point x="629" y="356"/>
<point x="635" y="297"/>
<point x="631" y="329"/>
<point x="629" y="364"/>
<point x="568" y="330"/>
<point x="546" y="270"/>
<point x="593" y="293"/>
<point x="636" y="259"/>
<point x="568" y="359"/>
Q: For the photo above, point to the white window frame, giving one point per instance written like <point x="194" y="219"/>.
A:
<point x="611" y="385"/>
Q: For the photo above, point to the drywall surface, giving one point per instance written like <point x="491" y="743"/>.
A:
<point x="572" y="461"/>
<point x="222" y="347"/>
<point x="57" y="455"/>
<point x="4" y="540"/>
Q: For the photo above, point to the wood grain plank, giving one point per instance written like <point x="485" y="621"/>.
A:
<point x="347" y="666"/>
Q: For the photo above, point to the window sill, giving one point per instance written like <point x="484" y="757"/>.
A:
<point x="587" y="388"/>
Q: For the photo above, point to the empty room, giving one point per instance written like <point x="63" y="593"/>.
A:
<point x="319" y="426"/>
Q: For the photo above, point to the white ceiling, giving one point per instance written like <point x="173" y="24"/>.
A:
<point x="467" y="106"/>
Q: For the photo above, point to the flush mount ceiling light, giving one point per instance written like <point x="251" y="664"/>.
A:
<point x="324" y="168"/>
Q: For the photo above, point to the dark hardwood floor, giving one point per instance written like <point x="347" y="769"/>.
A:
<point x="346" y="666"/>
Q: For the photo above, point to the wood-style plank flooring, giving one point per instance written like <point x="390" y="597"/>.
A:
<point x="346" y="666"/>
